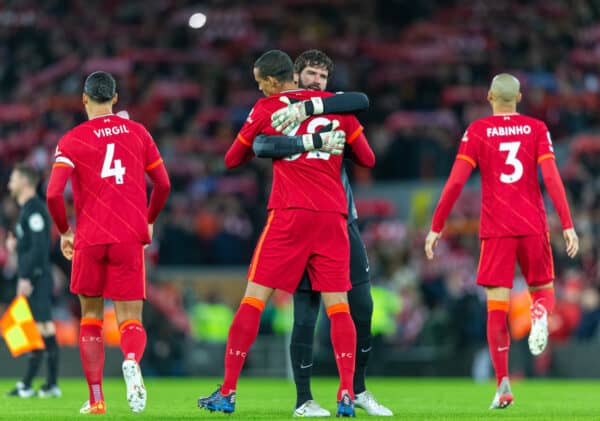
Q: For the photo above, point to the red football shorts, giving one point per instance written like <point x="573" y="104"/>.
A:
<point x="295" y="240"/>
<point x="498" y="255"/>
<point x="114" y="271"/>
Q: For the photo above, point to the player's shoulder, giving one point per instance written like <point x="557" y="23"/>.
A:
<point x="479" y="124"/>
<point x="76" y="131"/>
<point x="135" y="125"/>
<point x="531" y="121"/>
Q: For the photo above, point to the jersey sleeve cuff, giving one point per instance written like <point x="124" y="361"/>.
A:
<point x="468" y="159"/>
<point x="243" y="141"/>
<point x="63" y="161"/>
<point x="545" y="156"/>
<point x="354" y="135"/>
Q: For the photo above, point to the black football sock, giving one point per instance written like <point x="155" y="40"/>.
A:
<point x="361" y="309"/>
<point x="52" y="360"/>
<point x="306" y="310"/>
<point x="35" y="359"/>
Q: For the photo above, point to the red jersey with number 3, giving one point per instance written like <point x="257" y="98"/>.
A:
<point x="109" y="156"/>
<point x="310" y="180"/>
<point x="508" y="149"/>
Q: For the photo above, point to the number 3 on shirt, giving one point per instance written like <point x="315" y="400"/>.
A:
<point x="513" y="161"/>
<point x="108" y="170"/>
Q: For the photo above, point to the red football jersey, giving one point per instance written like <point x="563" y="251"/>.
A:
<point x="310" y="180"/>
<point x="109" y="156"/>
<point x="508" y="149"/>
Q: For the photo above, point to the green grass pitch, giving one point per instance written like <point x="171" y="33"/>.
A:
<point x="273" y="399"/>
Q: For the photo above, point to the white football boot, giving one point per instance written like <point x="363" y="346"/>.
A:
<point x="503" y="397"/>
<point x="538" y="335"/>
<point x="311" y="408"/>
<point x="366" y="401"/>
<point x="136" y="391"/>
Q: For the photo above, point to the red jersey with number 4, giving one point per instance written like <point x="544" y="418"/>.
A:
<point x="310" y="180"/>
<point x="109" y="156"/>
<point x="508" y="149"/>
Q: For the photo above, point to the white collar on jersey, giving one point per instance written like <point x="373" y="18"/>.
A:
<point x="501" y="114"/>
<point x="100" y="116"/>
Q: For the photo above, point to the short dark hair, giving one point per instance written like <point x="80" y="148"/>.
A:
<point x="315" y="58"/>
<point x="277" y="64"/>
<point x="100" y="86"/>
<point x="31" y="174"/>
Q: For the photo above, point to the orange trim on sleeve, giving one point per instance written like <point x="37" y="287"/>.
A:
<point x="244" y="141"/>
<point x="91" y="321"/>
<point x="254" y="302"/>
<point x="546" y="156"/>
<point x="467" y="158"/>
<point x="338" y="308"/>
<point x="129" y="322"/>
<point x="58" y="164"/>
<point x="354" y="135"/>
<point x="259" y="246"/>
<point x="154" y="164"/>
<point x="497" y="305"/>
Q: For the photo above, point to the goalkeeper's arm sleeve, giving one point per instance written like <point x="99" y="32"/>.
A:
<point x="461" y="170"/>
<point x="346" y="102"/>
<point x="277" y="146"/>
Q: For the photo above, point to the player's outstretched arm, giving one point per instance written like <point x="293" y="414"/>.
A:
<point x="556" y="190"/>
<point x="461" y="170"/>
<point x="286" y="119"/>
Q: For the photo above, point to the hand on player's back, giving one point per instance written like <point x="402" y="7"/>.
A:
<point x="571" y="241"/>
<point x="333" y="140"/>
<point x="288" y="118"/>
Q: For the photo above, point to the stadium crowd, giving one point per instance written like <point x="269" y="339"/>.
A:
<point x="425" y="68"/>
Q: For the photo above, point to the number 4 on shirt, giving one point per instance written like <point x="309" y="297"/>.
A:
<point x="108" y="170"/>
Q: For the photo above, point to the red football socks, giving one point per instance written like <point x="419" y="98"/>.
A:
<point x="91" y="349"/>
<point x="343" y="339"/>
<point x="498" y="337"/>
<point x="545" y="297"/>
<point x="242" y="333"/>
<point x="133" y="340"/>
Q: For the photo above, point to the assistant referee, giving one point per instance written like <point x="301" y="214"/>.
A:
<point x="32" y="245"/>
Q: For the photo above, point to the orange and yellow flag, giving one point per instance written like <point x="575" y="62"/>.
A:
<point x="18" y="328"/>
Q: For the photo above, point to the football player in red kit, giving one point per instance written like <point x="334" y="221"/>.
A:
<point x="107" y="159"/>
<point x="306" y="227"/>
<point x="509" y="147"/>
